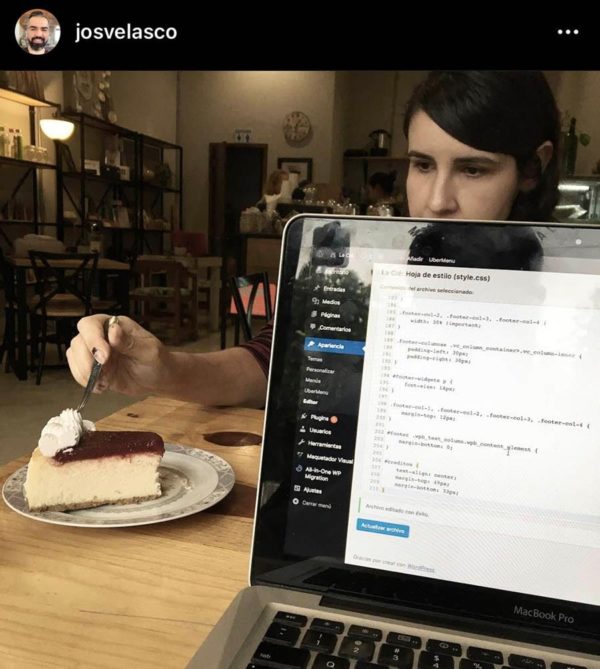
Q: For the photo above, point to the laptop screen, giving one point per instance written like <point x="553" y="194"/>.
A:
<point x="433" y="418"/>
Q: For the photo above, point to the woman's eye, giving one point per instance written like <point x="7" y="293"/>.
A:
<point x="422" y="165"/>
<point x="473" y="171"/>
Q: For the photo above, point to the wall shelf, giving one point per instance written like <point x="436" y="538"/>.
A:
<point x="95" y="196"/>
<point x="12" y="221"/>
<point x="16" y="162"/>
<point x="24" y="99"/>
<point x="20" y="186"/>
<point x="88" y="176"/>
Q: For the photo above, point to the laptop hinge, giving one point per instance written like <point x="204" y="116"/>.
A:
<point x="554" y="638"/>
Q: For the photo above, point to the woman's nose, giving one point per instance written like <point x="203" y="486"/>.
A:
<point x="442" y="198"/>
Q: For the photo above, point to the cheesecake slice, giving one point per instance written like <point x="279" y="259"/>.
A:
<point x="101" y="468"/>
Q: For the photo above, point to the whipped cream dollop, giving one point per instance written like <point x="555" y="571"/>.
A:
<point x="63" y="431"/>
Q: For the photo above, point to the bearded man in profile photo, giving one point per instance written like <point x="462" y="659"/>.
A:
<point x="37" y="34"/>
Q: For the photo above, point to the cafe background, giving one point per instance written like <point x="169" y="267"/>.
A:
<point x="195" y="109"/>
<point x="199" y="118"/>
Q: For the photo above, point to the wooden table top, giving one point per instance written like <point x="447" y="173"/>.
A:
<point x="196" y="262"/>
<point x="143" y="596"/>
<point x="103" y="263"/>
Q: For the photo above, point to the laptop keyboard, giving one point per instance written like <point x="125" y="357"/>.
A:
<point x="292" y="641"/>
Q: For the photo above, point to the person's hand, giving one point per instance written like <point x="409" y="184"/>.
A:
<point x="133" y="359"/>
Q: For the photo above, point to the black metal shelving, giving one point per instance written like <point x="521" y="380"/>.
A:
<point x="28" y="168"/>
<point x="141" y="197"/>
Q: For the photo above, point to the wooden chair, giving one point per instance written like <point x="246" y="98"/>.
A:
<point x="64" y="284"/>
<point x="109" y="302"/>
<point x="173" y="302"/>
<point x="196" y="244"/>
<point x="7" y="347"/>
<point x="251" y="296"/>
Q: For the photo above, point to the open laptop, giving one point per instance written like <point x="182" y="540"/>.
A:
<point x="429" y="492"/>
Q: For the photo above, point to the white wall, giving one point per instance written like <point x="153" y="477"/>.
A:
<point x="376" y="100"/>
<point x="214" y="104"/>
<point x="405" y="84"/>
<point x="370" y="106"/>
<point x="146" y="102"/>
<point x="341" y="103"/>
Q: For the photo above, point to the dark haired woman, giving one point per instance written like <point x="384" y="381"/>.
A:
<point x="482" y="145"/>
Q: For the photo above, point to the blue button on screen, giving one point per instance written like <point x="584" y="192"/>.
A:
<point x="341" y="346"/>
<point x="381" y="527"/>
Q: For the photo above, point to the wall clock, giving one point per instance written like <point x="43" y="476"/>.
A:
<point x="296" y="126"/>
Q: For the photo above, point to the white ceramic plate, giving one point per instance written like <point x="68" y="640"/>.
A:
<point x="192" y="480"/>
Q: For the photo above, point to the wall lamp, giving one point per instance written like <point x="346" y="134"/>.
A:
<point x="57" y="128"/>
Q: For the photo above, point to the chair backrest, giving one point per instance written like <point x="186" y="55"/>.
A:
<point x="8" y="281"/>
<point x="64" y="273"/>
<point x="194" y="242"/>
<point x="251" y="296"/>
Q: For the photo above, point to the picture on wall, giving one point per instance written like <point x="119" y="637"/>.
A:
<point x="301" y="166"/>
<point x="90" y="93"/>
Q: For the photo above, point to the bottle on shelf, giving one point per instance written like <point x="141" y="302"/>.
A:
<point x="18" y="144"/>
<point x="570" y="149"/>
<point x="4" y="143"/>
<point x="96" y="237"/>
<point x="12" y="147"/>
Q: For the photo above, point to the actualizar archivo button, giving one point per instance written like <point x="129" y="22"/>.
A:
<point x="382" y="527"/>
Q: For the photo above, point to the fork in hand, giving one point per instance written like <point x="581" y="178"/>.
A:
<point x="96" y="367"/>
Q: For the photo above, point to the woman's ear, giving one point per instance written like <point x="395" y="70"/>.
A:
<point x="536" y="167"/>
<point x="545" y="152"/>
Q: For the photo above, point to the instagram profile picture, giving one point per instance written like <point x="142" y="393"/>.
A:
<point x="37" y="31"/>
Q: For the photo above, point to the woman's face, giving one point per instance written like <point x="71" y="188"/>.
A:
<point x="449" y="179"/>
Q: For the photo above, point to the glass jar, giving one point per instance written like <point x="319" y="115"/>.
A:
<point x="310" y="193"/>
<point x="30" y="152"/>
<point x="96" y="237"/>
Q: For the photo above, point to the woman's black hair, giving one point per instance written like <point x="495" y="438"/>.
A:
<point x="510" y="112"/>
<point x="385" y="181"/>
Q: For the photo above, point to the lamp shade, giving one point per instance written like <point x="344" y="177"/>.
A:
<point x="55" y="128"/>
